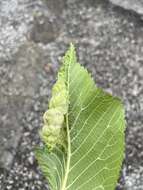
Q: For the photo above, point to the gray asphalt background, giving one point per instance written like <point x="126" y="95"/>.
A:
<point x="34" y="35"/>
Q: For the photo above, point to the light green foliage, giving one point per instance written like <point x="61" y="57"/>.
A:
<point x="53" y="131"/>
<point x="83" y="132"/>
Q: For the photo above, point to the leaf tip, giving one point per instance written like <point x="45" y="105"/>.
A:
<point x="72" y="47"/>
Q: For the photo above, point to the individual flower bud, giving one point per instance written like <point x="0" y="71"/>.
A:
<point x="53" y="117"/>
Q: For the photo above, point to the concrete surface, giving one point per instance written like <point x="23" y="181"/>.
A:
<point x="134" y="5"/>
<point x="34" y="34"/>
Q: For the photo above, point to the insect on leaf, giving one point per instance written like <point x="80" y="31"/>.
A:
<point x="83" y="132"/>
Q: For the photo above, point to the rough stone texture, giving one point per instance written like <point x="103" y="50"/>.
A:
<point x="34" y="34"/>
<point x="134" y="5"/>
<point x="135" y="179"/>
<point x="9" y="130"/>
<point x="18" y="85"/>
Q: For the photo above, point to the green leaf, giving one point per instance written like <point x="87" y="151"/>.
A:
<point x="83" y="132"/>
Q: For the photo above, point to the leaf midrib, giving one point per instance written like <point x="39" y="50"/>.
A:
<point x="63" y="187"/>
<point x="68" y="156"/>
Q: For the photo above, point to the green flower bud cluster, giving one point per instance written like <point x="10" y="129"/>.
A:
<point x="54" y="131"/>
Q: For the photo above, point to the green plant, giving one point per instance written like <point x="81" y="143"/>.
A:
<point x="83" y="132"/>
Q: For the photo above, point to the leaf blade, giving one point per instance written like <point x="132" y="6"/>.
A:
<point x="94" y="133"/>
